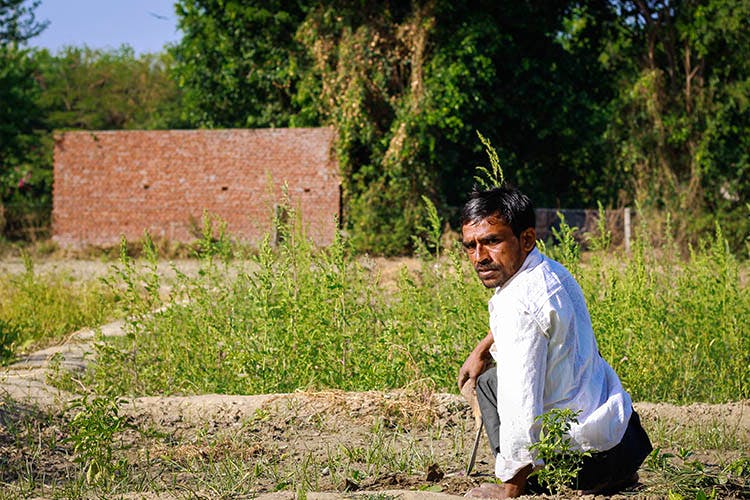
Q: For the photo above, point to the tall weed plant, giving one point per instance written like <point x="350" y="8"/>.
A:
<point x="295" y="317"/>
<point x="37" y="309"/>
<point x="674" y="330"/>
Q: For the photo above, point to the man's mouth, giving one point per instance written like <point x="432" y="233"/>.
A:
<point x="482" y="271"/>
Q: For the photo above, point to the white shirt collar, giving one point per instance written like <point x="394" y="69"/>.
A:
<point x="533" y="259"/>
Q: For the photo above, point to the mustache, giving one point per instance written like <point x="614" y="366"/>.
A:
<point x="480" y="269"/>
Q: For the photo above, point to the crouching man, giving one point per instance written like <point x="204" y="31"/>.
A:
<point x="545" y="354"/>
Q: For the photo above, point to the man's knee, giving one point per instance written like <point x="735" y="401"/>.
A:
<point x="487" y="385"/>
<point x="488" y="378"/>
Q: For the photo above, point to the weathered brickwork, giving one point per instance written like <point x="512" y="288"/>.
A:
<point x="113" y="183"/>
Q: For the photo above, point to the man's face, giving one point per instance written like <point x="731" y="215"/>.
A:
<point x="494" y="251"/>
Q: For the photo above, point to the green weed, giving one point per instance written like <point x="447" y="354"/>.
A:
<point x="292" y="317"/>
<point x="674" y="330"/>
<point x="679" y="476"/>
<point x="37" y="309"/>
<point x="295" y="317"/>
<point x="92" y="430"/>
<point x="494" y="176"/>
<point x="561" y="462"/>
<point x="710" y="435"/>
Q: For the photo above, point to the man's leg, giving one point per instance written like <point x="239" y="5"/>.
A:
<point x="487" y="398"/>
<point x="615" y="469"/>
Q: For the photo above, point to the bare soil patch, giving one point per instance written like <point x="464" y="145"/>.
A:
<point x="382" y="443"/>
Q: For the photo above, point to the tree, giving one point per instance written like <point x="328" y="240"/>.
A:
<point x="407" y="85"/>
<point x="18" y="22"/>
<point x="21" y="145"/>
<point x="681" y="120"/>
<point x="236" y="61"/>
<point x="95" y="89"/>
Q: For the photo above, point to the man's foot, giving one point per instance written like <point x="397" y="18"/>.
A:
<point x="611" y="487"/>
<point x="488" y="490"/>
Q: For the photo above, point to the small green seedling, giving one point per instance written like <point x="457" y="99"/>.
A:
<point x="561" y="461"/>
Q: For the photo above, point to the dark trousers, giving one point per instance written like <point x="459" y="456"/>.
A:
<point x="610" y="466"/>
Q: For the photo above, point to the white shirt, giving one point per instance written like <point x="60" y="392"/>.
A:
<point x="547" y="357"/>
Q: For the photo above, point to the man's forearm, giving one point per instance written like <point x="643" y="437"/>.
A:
<point x="477" y="361"/>
<point x="482" y="350"/>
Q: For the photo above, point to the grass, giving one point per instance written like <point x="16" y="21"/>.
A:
<point x="333" y="453"/>
<point x="674" y="330"/>
<point x="712" y="435"/>
<point x="217" y="464"/>
<point x="38" y="309"/>
<point x="297" y="318"/>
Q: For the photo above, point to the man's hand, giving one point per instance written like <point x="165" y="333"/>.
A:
<point x="512" y="488"/>
<point x="477" y="361"/>
<point x="490" y="490"/>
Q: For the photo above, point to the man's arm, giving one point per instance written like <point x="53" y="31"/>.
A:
<point x="477" y="361"/>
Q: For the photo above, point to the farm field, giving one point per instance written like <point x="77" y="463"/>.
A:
<point x="193" y="363"/>
<point x="191" y="398"/>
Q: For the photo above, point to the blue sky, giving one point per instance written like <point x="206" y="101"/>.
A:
<point x="145" y="25"/>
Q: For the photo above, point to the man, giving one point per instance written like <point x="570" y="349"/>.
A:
<point x="546" y="356"/>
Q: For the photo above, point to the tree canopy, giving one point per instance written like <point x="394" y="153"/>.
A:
<point x="18" y="22"/>
<point x="612" y="101"/>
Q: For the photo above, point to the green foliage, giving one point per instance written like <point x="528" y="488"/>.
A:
<point x="23" y="186"/>
<point x="602" y="240"/>
<point x="94" y="89"/>
<point x="683" y="477"/>
<point x="23" y="148"/>
<point x="18" y="22"/>
<point x="431" y="244"/>
<point x="561" y="462"/>
<point x="39" y="308"/>
<point x="295" y="317"/>
<point x="77" y="88"/>
<point x="566" y="249"/>
<point x="493" y="177"/>
<point x="9" y="334"/>
<point x="405" y="86"/>
<point x="680" y="117"/>
<point x="616" y="101"/>
<point x="93" y="428"/>
<point x="673" y="330"/>
<point x="236" y="61"/>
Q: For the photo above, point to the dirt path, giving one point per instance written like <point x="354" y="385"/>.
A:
<point x="316" y="426"/>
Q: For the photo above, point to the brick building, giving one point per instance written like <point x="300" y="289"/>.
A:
<point x="113" y="183"/>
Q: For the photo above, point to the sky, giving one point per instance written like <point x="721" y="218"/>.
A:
<point x="145" y="25"/>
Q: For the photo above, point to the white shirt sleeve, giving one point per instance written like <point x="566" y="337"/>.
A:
<point x="520" y="351"/>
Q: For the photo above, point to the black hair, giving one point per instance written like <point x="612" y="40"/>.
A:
<point x="505" y="202"/>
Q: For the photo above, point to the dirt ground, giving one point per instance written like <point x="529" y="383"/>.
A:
<point x="396" y="444"/>
<point x="435" y="424"/>
<point x="323" y="431"/>
<point x="412" y="443"/>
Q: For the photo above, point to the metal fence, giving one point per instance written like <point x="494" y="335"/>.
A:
<point x="585" y="222"/>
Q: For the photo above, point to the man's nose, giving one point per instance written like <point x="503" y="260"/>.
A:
<point x="480" y="254"/>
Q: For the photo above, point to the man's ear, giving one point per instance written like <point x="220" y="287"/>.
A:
<point x="528" y="239"/>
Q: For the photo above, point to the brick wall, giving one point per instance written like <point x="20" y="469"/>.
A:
<point x="113" y="183"/>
